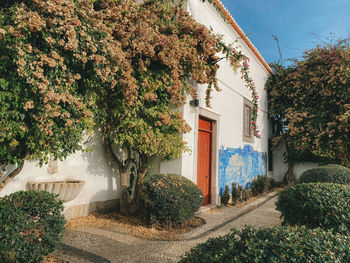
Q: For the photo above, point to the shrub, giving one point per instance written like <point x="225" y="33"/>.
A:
<point x="225" y="196"/>
<point x="31" y="226"/>
<point x="331" y="173"/>
<point x="316" y="205"/>
<point x="170" y="198"/>
<point x="273" y="245"/>
<point x="261" y="184"/>
<point x="235" y="194"/>
<point x="240" y="193"/>
<point x="246" y="194"/>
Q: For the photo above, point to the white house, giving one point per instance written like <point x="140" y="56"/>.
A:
<point x="223" y="149"/>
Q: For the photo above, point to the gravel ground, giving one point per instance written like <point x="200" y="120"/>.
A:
<point x="112" y="244"/>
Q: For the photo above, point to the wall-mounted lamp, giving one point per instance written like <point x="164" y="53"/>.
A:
<point x="194" y="103"/>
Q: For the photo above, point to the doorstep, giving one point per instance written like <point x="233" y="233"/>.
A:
<point x="205" y="208"/>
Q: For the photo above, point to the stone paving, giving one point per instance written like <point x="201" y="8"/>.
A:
<point x="112" y="244"/>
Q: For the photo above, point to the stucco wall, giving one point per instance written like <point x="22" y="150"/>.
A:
<point x="280" y="167"/>
<point x="101" y="182"/>
<point x="91" y="167"/>
<point x="226" y="110"/>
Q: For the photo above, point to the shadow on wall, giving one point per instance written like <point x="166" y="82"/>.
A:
<point x="240" y="166"/>
<point x="98" y="167"/>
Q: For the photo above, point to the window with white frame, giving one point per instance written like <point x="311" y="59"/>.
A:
<point x="247" y="121"/>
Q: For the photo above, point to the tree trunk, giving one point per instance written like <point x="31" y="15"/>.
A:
<point x="135" y="205"/>
<point x="11" y="176"/>
<point x="127" y="207"/>
<point x="122" y="169"/>
<point x="124" y="194"/>
<point x="289" y="177"/>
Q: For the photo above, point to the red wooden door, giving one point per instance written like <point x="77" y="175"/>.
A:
<point x="204" y="158"/>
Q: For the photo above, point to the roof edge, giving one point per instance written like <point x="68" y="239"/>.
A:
<point x="227" y="16"/>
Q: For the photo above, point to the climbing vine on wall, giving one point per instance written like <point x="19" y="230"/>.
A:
<point x="70" y="66"/>
<point x="239" y="60"/>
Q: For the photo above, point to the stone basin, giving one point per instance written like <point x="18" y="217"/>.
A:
<point x="66" y="190"/>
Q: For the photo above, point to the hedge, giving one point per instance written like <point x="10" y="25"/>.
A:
<point x="31" y="226"/>
<point x="170" y="198"/>
<point x="297" y="244"/>
<point x="331" y="173"/>
<point x="316" y="205"/>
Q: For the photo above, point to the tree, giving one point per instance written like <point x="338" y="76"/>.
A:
<point x="116" y="66"/>
<point x="310" y="102"/>
<point x="49" y="53"/>
<point x="167" y="51"/>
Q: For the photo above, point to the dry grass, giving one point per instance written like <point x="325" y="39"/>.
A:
<point x="135" y="226"/>
<point x="53" y="259"/>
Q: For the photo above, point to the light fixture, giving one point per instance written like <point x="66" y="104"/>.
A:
<point x="194" y="103"/>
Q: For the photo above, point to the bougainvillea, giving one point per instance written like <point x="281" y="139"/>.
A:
<point x="311" y="101"/>
<point x="49" y="53"/>
<point x="167" y="51"/>
<point x="117" y="66"/>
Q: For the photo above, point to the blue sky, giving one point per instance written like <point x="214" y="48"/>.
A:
<point x="294" y="22"/>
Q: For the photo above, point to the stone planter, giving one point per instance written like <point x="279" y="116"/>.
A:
<point x="66" y="190"/>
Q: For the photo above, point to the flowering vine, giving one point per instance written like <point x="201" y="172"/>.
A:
<point x="74" y="65"/>
<point x="239" y="61"/>
<point x="310" y="101"/>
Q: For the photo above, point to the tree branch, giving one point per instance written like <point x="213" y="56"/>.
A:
<point x="11" y="176"/>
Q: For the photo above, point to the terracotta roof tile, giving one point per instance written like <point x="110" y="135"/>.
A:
<point x="226" y="14"/>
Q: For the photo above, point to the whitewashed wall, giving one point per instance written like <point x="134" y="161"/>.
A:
<point x="227" y="110"/>
<point x="91" y="167"/>
<point x="227" y="105"/>
<point x="280" y="167"/>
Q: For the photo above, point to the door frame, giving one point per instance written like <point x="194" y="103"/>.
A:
<point x="215" y="118"/>
<point x="205" y="132"/>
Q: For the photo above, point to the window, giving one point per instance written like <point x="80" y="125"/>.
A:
<point x="247" y="121"/>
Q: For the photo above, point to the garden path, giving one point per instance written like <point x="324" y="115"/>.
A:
<point x="111" y="244"/>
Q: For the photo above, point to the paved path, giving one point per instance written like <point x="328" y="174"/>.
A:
<point x="111" y="244"/>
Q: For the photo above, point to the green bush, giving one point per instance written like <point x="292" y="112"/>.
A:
<point x="273" y="245"/>
<point x="331" y="173"/>
<point x="316" y="205"/>
<point x="31" y="226"/>
<point x="235" y="193"/>
<point x="240" y="193"/>
<point x="225" y="196"/>
<point x="170" y="198"/>
<point x="246" y="194"/>
<point x="261" y="184"/>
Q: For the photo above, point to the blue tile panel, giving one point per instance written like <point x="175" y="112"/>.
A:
<point x="240" y="166"/>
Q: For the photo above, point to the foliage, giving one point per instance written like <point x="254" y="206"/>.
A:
<point x="310" y="101"/>
<point x="118" y="66"/>
<point x="48" y="56"/>
<point x="225" y="196"/>
<point x="331" y="173"/>
<point x="246" y="194"/>
<point x="167" y="51"/>
<point x="235" y="193"/>
<point x="170" y="199"/>
<point x="239" y="194"/>
<point x="32" y="226"/>
<point x="278" y="244"/>
<point x="261" y="184"/>
<point x="316" y="205"/>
